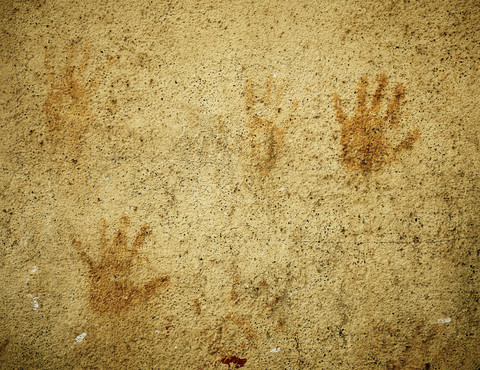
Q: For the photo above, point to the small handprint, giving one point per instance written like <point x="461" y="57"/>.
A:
<point x="266" y="124"/>
<point x="67" y="105"/>
<point x="110" y="281"/>
<point x="364" y="141"/>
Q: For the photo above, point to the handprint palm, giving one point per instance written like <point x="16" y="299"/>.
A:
<point x="365" y="146"/>
<point x="111" y="286"/>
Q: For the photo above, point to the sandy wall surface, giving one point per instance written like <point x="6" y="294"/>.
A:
<point x="226" y="184"/>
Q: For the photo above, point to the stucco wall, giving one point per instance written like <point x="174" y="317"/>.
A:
<point x="224" y="184"/>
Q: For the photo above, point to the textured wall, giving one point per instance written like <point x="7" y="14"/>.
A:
<point x="226" y="184"/>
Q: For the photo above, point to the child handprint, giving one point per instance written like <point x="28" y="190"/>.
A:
<point x="111" y="286"/>
<point x="266" y="124"/>
<point x="364" y="142"/>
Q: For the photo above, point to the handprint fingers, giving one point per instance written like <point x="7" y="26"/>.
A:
<point x="377" y="98"/>
<point x="394" y="106"/>
<point x="292" y="112"/>
<point x="72" y="52"/>
<point x="341" y="116"/>
<point x="83" y="254"/>
<point x="120" y="240"/>
<point x="142" y="235"/>
<point x="85" y="58"/>
<point x="249" y="96"/>
<point x="268" y="90"/>
<point x="279" y="96"/>
<point x="272" y="97"/>
<point x="154" y="286"/>
<point x="124" y="222"/>
<point x="102" y="226"/>
<point x="407" y="143"/>
<point x="48" y="67"/>
<point x="97" y="73"/>
<point x="362" y="96"/>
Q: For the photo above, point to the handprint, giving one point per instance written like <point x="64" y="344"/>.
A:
<point x="365" y="146"/>
<point x="110" y="281"/>
<point x="66" y="107"/>
<point x="266" y="124"/>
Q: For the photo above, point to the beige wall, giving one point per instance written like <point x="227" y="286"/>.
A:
<point x="268" y="184"/>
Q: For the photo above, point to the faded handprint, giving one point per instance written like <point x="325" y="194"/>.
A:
<point x="110" y="281"/>
<point x="233" y="335"/>
<point x="67" y="105"/>
<point x="266" y="124"/>
<point x="364" y="139"/>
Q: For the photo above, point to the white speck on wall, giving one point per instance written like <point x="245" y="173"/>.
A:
<point x="80" y="338"/>
<point x="444" y="320"/>
<point x="34" y="270"/>
<point x="35" y="303"/>
<point x="25" y="239"/>
<point x="274" y="75"/>
<point x="275" y="350"/>
<point x="314" y="111"/>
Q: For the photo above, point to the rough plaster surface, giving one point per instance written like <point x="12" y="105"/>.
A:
<point x="226" y="184"/>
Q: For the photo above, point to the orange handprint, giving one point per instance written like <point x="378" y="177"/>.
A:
<point x="365" y="146"/>
<point x="67" y="105"/>
<point x="110" y="285"/>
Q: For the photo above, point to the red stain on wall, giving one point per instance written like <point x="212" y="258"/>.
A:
<point x="236" y="361"/>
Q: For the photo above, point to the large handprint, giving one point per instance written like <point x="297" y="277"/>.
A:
<point x="365" y="146"/>
<point x="266" y="124"/>
<point x="110" y="281"/>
